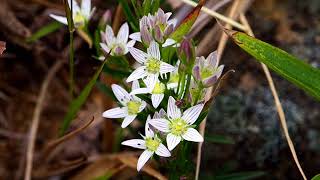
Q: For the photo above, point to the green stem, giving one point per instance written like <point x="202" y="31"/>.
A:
<point x="183" y="84"/>
<point x="188" y="85"/>
<point x="71" y="65"/>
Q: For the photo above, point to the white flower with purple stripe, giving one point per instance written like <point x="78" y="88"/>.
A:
<point x="132" y="105"/>
<point x="116" y="45"/>
<point x="152" y="65"/>
<point x="157" y="92"/>
<point x="151" y="144"/>
<point x="178" y="125"/>
<point x="81" y="15"/>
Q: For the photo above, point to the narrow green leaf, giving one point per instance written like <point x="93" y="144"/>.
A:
<point x="77" y="103"/>
<point x="129" y="15"/>
<point x="146" y="6"/>
<point x="219" y="139"/>
<point x="317" y="177"/>
<point x="293" y="69"/>
<point x="45" y="30"/>
<point x="240" y="176"/>
<point x="187" y="23"/>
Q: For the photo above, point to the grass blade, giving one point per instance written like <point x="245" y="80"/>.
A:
<point x="77" y="103"/>
<point x="44" y="31"/>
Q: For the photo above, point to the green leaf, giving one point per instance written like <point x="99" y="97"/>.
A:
<point x="77" y="103"/>
<point x="45" y="30"/>
<point x="187" y="23"/>
<point x="129" y="15"/>
<point x="146" y="6"/>
<point x="219" y="139"/>
<point x="317" y="177"/>
<point x="240" y="176"/>
<point x="293" y="69"/>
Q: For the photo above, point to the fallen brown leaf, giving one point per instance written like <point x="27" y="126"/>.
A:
<point x="2" y="46"/>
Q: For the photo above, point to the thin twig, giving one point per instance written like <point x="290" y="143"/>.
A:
<point x="217" y="15"/>
<point x="36" y="117"/>
<point x="281" y="114"/>
<point x="221" y="46"/>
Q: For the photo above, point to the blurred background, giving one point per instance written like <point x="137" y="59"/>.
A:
<point x="243" y="132"/>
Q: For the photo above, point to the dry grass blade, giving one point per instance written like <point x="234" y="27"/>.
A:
<point x="131" y="161"/>
<point x="36" y="117"/>
<point x="51" y="145"/>
<point x="281" y="114"/>
<point x="221" y="47"/>
<point x="217" y="15"/>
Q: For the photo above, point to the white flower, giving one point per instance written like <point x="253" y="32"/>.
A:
<point x="152" y="66"/>
<point x="151" y="144"/>
<point x="174" y="78"/>
<point x="132" y="105"/>
<point x="178" y="125"/>
<point x="157" y="92"/>
<point x="156" y="27"/>
<point x="81" y="15"/>
<point x="117" y="45"/>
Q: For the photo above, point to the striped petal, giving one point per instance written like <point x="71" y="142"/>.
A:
<point x="121" y="94"/>
<point x="160" y="124"/>
<point x="115" y="113"/>
<point x="60" y="19"/>
<point x="136" y="143"/>
<point x="138" y="55"/>
<point x="192" y="135"/>
<point x="86" y="7"/>
<point x="123" y="33"/>
<point x="166" y="68"/>
<point x="192" y="114"/>
<point x="163" y="151"/>
<point x="172" y="109"/>
<point x="172" y="141"/>
<point x="156" y="99"/>
<point x="139" y="73"/>
<point x="144" y="157"/>
<point x="153" y="50"/>
<point x="127" y="120"/>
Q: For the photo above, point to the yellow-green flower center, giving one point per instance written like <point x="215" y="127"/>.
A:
<point x="152" y="144"/>
<point x="158" y="88"/>
<point x="133" y="107"/>
<point x="174" y="78"/>
<point x="178" y="126"/>
<point x="206" y="72"/>
<point x="79" y="19"/>
<point x="153" y="66"/>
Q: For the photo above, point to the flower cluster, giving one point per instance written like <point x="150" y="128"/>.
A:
<point x="168" y="82"/>
<point x="163" y="80"/>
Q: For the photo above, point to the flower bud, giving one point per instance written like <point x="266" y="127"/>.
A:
<point x="186" y="52"/>
<point x="105" y="19"/>
<point x="145" y="35"/>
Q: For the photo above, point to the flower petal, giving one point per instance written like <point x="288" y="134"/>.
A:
<point x="135" y="85"/>
<point x="156" y="99"/>
<point x="212" y="59"/>
<point x="131" y="43"/>
<point x="105" y="47"/>
<point x="138" y="55"/>
<point x="148" y="130"/>
<point x="123" y="33"/>
<point x="142" y="106"/>
<point x="139" y="73"/>
<point x="144" y="157"/>
<point x="140" y="91"/>
<point x="109" y="35"/>
<point x="151" y="81"/>
<point x="127" y="120"/>
<point x="121" y="94"/>
<point x="60" y="19"/>
<point x="168" y="42"/>
<point x="163" y="151"/>
<point x="136" y="143"/>
<point x="192" y="135"/>
<point x="172" y="141"/>
<point x="192" y="114"/>
<point x="115" y="113"/>
<point x="75" y="6"/>
<point x="196" y="73"/>
<point x="135" y="36"/>
<point x="165" y="68"/>
<point x="160" y="124"/>
<point x="153" y="50"/>
<point x="172" y="109"/>
<point x="86" y="7"/>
